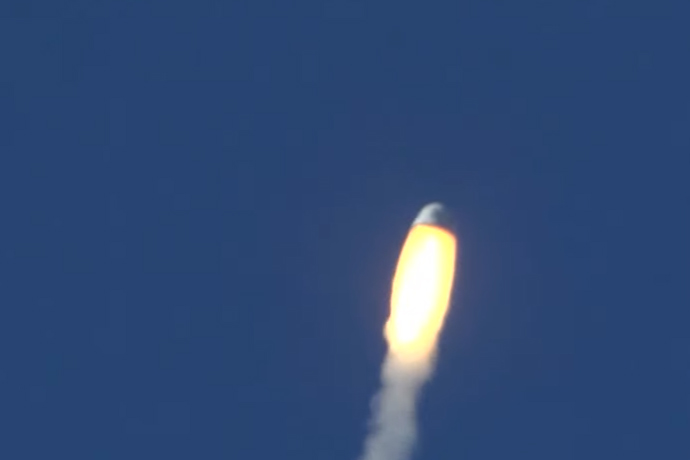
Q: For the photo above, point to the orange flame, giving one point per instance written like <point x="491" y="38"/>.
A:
<point x="421" y="292"/>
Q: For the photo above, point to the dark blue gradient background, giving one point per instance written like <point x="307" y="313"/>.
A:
<point x="202" y="204"/>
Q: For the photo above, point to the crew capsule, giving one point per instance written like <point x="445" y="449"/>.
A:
<point x="437" y="215"/>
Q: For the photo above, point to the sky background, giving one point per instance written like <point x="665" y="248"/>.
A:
<point x="203" y="203"/>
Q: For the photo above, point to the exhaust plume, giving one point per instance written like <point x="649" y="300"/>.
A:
<point x="419" y="301"/>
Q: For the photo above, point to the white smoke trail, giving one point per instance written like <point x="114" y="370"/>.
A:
<point x="393" y="426"/>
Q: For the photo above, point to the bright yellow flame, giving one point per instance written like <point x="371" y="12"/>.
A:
<point x="421" y="291"/>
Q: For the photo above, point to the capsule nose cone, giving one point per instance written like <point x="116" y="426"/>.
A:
<point x="435" y="214"/>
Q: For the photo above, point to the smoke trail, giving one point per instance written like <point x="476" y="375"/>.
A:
<point x="393" y="426"/>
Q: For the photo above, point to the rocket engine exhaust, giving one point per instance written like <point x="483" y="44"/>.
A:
<point x="420" y="298"/>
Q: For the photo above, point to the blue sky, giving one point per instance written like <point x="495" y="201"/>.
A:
<point x="203" y="203"/>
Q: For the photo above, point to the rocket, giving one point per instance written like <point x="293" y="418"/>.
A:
<point x="422" y="284"/>
<point x="420" y="298"/>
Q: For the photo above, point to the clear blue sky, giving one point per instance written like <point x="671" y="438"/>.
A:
<point x="202" y="204"/>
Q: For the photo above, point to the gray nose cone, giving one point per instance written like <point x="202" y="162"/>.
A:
<point x="435" y="214"/>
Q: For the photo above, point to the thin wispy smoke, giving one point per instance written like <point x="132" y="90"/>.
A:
<point x="393" y="431"/>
